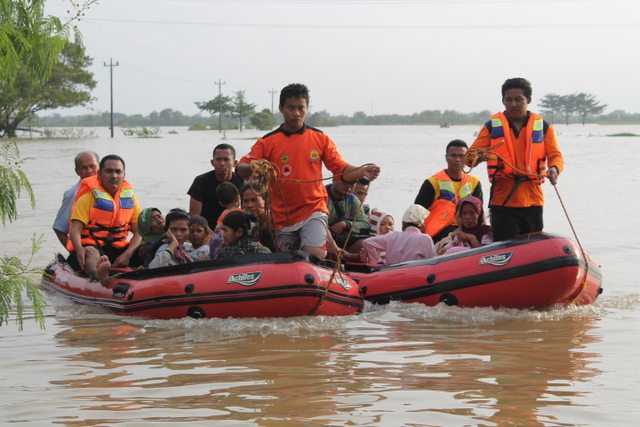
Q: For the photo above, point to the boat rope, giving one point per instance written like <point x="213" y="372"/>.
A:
<point x="477" y="153"/>
<point x="337" y="270"/>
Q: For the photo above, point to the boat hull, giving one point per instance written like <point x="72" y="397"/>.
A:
<point x="539" y="271"/>
<point x="277" y="285"/>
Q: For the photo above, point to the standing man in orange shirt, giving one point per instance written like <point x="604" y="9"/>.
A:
<point x="523" y="151"/>
<point x="298" y="151"/>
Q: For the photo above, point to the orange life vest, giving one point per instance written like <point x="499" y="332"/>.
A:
<point x="502" y="145"/>
<point x="109" y="217"/>
<point x="442" y="211"/>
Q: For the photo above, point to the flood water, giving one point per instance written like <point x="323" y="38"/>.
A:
<point x="402" y="364"/>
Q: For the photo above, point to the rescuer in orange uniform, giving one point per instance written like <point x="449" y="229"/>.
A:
<point x="520" y="149"/>
<point x="299" y="197"/>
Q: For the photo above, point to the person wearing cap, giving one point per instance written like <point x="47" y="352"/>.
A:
<point x="472" y="231"/>
<point x="521" y="150"/>
<point x="400" y="246"/>
<point x="441" y="192"/>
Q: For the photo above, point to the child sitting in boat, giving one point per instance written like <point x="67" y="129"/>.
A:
<point x="199" y="236"/>
<point x="253" y="204"/>
<point x="228" y="196"/>
<point x="472" y="230"/>
<point x="236" y="239"/>
<point x="400" y="246"/>
<point x="175" y="248"/>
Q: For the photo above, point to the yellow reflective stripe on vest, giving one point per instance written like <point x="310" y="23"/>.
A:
<point x="447" y="186"/>
<point x="466" y="190"/>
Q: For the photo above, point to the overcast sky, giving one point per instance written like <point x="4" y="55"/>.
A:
<point x="379" y="56"/>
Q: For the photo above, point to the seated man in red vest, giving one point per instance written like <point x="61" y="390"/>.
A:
<point x="104" y="214"/>
<point x="441" y="192"/>
<point x="518" y="146"/>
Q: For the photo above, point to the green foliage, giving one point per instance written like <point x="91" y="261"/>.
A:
<point x="198" y="126"/>
<point x="241" y="108"/>
<point x="43" y="68"/>
<point x="323" y="119"/>
<point x="263" y="120"/>
<point x="13" y="181"/>
<point x="15" y="277"/>
<point x="15" y="282"/>
<point x="580" y="105"/>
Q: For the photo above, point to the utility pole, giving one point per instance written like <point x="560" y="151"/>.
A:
<point x="273" y="93"/>
<point x="219" y="83"/>
<point x="111" y="65"/>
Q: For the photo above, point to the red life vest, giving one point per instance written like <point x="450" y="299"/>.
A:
<point x="109" y="217"/>
<point x="442" y="211"/>
<point x="503" y="145"/>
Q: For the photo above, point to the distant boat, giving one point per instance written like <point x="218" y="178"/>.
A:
<point x="173" y="132"/>
<point x="445" y="125"/>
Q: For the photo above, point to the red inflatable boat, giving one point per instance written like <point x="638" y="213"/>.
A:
<point x="538" y="271"/>
<point x="275" y="285"/>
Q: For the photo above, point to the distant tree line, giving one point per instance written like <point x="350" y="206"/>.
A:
<point x="236" y="112"/>
<point x="575" y="107"/>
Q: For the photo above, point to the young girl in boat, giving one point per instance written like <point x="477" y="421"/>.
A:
<point x="199" y="236"/>
<point x="236" y="239"/>
<point x="472" y="231"/>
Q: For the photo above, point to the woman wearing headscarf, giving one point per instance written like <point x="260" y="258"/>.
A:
<point x="472" y="231"/>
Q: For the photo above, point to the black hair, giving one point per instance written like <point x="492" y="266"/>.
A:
<point x="76" y="161"/>
<point x="456" y="143"/>
<point x="227" y="193"/>
<point x="108" y="157"/>
<point x="237" y="220"/>
<point x="224" y="146"/>
<point x="518" y="83"/>
<point x="199" y="220"/>
<point x="175" y="215"/>
<point x="294" y="90"/>
<point x="253" y="187"/>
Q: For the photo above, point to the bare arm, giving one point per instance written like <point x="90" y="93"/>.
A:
<point x="353" y="173"/>
<point x="123" y="259"/>
<point x="243" y="170"/>
<point x="75" y="229"/>
<point x="62" y="237"/>
<point x="195" y="206"/>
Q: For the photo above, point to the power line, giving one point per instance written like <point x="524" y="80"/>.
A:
<point x="409" y="27"/>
